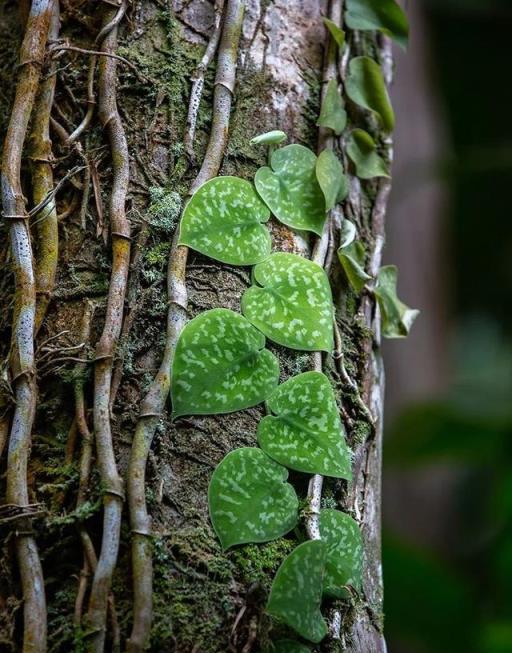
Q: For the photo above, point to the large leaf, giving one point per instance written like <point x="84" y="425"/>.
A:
<point x="296" y="592"/>
<point x="306" y="433"/>
<point x="249" y="499"/>
<point x="352" y="257"/>
<point x="383" y="15"/>
<point x="290" y="188"/>
<point x="332" y="112"/>
<point x="292" y="304"/>
<point x="344" y="565"/>
<point x="365" y="86"/>
<point x="362" y="150"/>
<point x="287" y="646"/>
<point x="336" y="32"/>
<point x="333" y="182"/>
<point x="223" y="220"/>
<point x="397" y="318"/>
<point x="220" y="365"/>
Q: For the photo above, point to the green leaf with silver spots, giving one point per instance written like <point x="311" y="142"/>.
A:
<point x="333" y="182"/>
<point x="332" y="111"/>
<point x="221" y="365"/>
<point x="296" y="592"/>
<point x="250" y="500"/>
<point x="223" y="220"/>
<point x="397" y="318"/>
<point x="344" y="564"/>
<point x="362" y="150"/>
<point x="305" y="433"/>
<point x="292" y="305"/>
<point x="383" y="15"/>
<point x="290" y="188"/>
<point x="365" y="86"/>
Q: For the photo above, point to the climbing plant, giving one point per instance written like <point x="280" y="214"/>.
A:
<point x="221" y="363"/>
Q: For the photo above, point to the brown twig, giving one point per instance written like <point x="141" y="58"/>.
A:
<point x="105" y="350"/>
<point x="47" y="231"/>
<point x="154" y="402"/>
<point x="22" y="354"/>
<point x="198" y="81"/>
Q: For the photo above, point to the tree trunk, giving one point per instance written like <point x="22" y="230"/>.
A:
<point x="204" y="600"/>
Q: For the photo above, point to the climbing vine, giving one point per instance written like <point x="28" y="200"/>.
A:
<point x="220" y="364"/>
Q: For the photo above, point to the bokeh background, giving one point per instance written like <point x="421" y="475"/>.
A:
<point x="448" y="444"/>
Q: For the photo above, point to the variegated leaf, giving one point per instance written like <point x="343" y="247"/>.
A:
<point x="296" y="592"/>
<point x="221" y="365"/>
<point x="306" y="433"/>
<point x="223" y="220"/>
<point x="344" y="565"/>
<point x="292" y="305"/>
<point x="250" y="500"/>
<point x="290" y="188"/>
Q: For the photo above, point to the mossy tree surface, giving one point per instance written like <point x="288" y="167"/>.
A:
<point x="204" y="599"/>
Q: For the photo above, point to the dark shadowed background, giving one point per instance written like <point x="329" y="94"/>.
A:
<point x="448" y="450"/>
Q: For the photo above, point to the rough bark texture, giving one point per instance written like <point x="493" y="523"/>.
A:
<point x="205" y="601"/>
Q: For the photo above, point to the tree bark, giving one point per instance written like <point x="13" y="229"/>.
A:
<point x="204" y="600"/>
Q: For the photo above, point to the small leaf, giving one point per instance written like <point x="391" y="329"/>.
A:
<point x="352" y="257"/>
<point x="221" y="366"/>
<point x="383" y="15"/>
<point x="269" y="138"/>
<point x="348" y="233"/>
<point x="296" y="592"/>
<point x="249" y="499"/>
<point x="362" y="150"/>
<point x="344" y="564"/>
<point x="397" y="318"/>
<point x="290" y="188"/>
<point x="306" y="433"/>
<point x="333" y="182"/>
<point x="287" y="646"/>
<point x="336" y="32"/>
<point x="365" y="86"/>
<point x="293" y="303"/>
<point x="332" y="113"/>
<point x="223" y="221"/>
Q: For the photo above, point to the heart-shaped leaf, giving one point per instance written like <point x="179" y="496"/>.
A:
<point x="365" y="86"/>
<point x="397" y="318"/>
<point x="223" y="221"/>
<point x="290" y="188"/>
<point x="249" y="499"/>
<point x="362" y="150"/>
<point x="333" y="182"/>
<point x="344" y="564"/>
<point x="220" y="365"/>
<point x="332" y="112"/>
<point x="306" y="433"/>
<point x="383" y="15"/>
<point x="293" y="306"/>
<point x="269" y="138"/>
<point x="287" y="646"/>
<point x="296" y="592"/>
<point x="336" y="32"/>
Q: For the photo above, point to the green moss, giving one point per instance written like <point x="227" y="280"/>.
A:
<point x="258" y="563"/>
<point x="164" y="210"/>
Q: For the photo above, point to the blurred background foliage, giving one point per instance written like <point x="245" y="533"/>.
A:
<point x="448" y="445"/>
